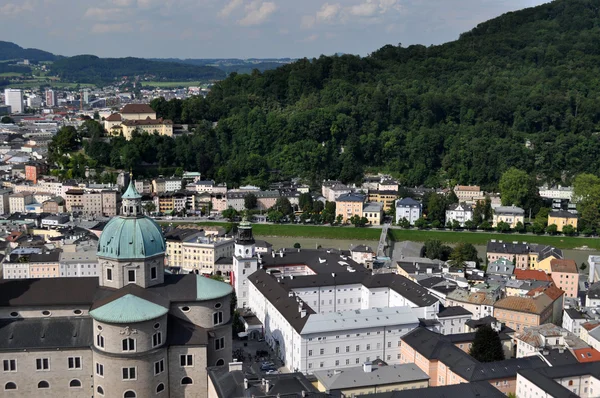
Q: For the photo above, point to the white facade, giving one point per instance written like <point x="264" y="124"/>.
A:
<point x="572" y="325"/>
<point x="15" y="270"/>
<point x="79" y="264"/>
<point x="584" y="386"/>
<point x="453" y="325"/>
<point x="557" y="192"/>
<point x="172" y="185"/>
<point x="411" y="211"/>
<point x="14" y="98"/>
<point x="460" y="212"/>
<point x="245" y="263"/>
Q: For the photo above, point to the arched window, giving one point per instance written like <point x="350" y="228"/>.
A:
<point x="128" y="344"/>
<point x="10" y="386"/>
<point x="220" y="362"/>
<point x="160" y="388"/>
<point x="100" y="390"/>
<point x="186" y="380"/>
<point x="74" y="383"/>
<point x="129" y="394"/>
<point x="43" y="384"/>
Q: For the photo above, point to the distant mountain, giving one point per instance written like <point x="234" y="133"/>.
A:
<point x="230" y="65"/>
<point x="92" y="69"/>
<point x="9" y="51"/>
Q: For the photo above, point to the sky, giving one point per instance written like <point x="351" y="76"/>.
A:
<point x="239" y="28"/>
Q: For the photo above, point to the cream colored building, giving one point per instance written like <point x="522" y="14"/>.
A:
<point x="508" y="214"/>
<point x="349" y="205"/>
<point x="201" y="253"/>
<point x="175" y="239"/>
<point x="467" y="193"/>
<point x="137" y="117"/>
<point x="18" y="201"/>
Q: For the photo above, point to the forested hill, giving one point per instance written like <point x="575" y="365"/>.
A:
<point x="11" y="51"/>
<point x="91" y="69"/>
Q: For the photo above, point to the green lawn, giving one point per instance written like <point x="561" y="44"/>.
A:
<point x="349" y="232"/>
<point x="10" y="74"/>
<point x="171" y="84"/>
<point x="37" y="83"/>
<point x="481" y="238"/>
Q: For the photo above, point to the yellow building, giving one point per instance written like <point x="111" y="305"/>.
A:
<point x="175" y="239"/>
<point x="508" y="214"/>
<point x="370" y="379"/>
<point x="140" y="117"/>
<point x="373" y="212"/>
<point x="562" y="218"/>
<point x="386" y="198"/>
<point x="349" y="205"/>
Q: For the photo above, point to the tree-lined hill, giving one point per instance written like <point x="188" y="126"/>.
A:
<point x="92" y="69"/>
<point x="11" y="51"/>
<point x="520" y="90"/>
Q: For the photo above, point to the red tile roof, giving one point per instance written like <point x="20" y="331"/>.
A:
<point x="587" y="355"/>
<point x="137" y="108"/>
<point x="558" y="265"/>
<point x="590" y="325"/>
<point x="530" y="274"/>
<point x="115" y="117"/>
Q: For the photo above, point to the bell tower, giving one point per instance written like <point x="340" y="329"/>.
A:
<point x="245" y="262"/>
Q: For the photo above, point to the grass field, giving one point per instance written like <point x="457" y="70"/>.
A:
<point x="9" y="74"/>
<point x="171" y="84"/>
<point x="475" y="238"/>
<point x="37" y="83"/>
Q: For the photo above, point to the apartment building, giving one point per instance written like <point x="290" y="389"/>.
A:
<point x="409" y="209"/>
<point x="92" y="204"/>
<point x="386" y="198"/>
<point x="565" y="276"/>
<point x="18" y="201"/>
<point x="467" y="193"/>
<point x="349" y="205"/>
<point x="201" y="252"/>
<point x="4" y="201"/>
<point x="524" y="255"/>
<point x="175" y="239"/>
<point x="110" y="207"/>
<point x="511" y="215"/>
<point x="459" y="212"/>
<point x="519" y="313"/>
<point x="74" y="200"/>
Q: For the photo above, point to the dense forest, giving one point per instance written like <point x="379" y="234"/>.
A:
<point x="11" y="51"/>
<point x="232" y="65"/>
<point x="92" y="69"/>
<point x="521" y="90"/>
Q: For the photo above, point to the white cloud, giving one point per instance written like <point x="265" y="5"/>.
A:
<point x="16" y="8"/>
<point x="229" y="8"/>
<point x="257" y="13"/>
<point x="104" y="14"/>
<point x="371" y="8"/>
<point x="328" y="11"/>
<point x="102" y="28"/>
<point x="123" y="3"/>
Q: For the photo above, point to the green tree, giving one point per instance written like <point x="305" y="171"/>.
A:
<point x="217" y="277"/>
<point x="434" y="249"/>
<point x="7" y="120"/>
<point x="568" y="230"/>
<point x="552" y="229"/>
<point x="250" y="201"/>
<point x="297" y="245"/>
<point x="537" y="228"/>
<point x="503" y="227"/>
<point x="487" y="346"/>
<point x="339" y="219"/>
<point x="519" y="227"/>
<point x="463" y="252"/>
<point x="283" y="205"/>
<point x="519" y="188"/>
<point x="404" y="223"/>
<point x="542" y="216"/>
<point x="421" y="223"/>
<point x="455" y="225"/>
<point x="305" y="202"/>
<point x="275" y="216"/>
<point x="229" y="213"/>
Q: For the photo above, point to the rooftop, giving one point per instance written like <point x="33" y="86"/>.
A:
<point x="360" y="319"/>
<point x="563" y="265"/>
<point x="453" y="311"/>
<point x="530" y="305"/>
<point x="137" y="108"/>
<point x="356" y="377"/>
<point x="128" y="309"/>
<point x="544" y="378"/>
<point x="351" y="197"/>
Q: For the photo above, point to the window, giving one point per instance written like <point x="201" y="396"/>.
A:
<point x="357" y="347"/>
<point x="99" y="369"/>
<point x="186" y="360"/>
<point x="310" y="353"/>
<point x="159" y="367"/>
<point x="100" y="390"/>
<point x="156" y="339"/>
<point x="357" y="360"/>
<point x="186" y="380"/>
<point x="368" y="347"/>
<point x="42" y="364"/>
<point x="128" y="373"/>
<point x="129" y="394"/>
<point x="10" y="365"/>
<point x="218" y="318"/>
<point x="43" y="384"/>
<point x="389" y="344"/>
<point x="337" y="363"/>
<point x="337" y="350"/>
<point x="100" y="341"/>
<point x="128" y="344"/>
<point x="10" y="386"/>
<point x="322" y="351"/>
<point x="153" y="273"/>
<point x="74" y="362"/>
<point x="347" y="362"/>
<point x="74" y="383"/>
<point x="109" y="274"/>
<point x="570" y="382"/>
<point x="160" y="388"/>
<point x="131" y="276"/>
<point x="220" y="343"/>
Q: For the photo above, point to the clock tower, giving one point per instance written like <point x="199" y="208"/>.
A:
<point x="245" y="261"/>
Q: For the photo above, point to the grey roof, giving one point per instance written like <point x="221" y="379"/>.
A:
<point x="557" y="357"/>
<point x="544" y="378"/>
<point x="286" y="385"/>
<point x="45" y="333"/>
<point x="262" y="243"/>
<point x="479" y="389"/>
<point x="47" y="292"/>
<point x="460" y="207"/>
<point x="435" y="346"/>
<point x="501" y="266"/>
<point x="509" y="210"/>
<point x="361" y="249"/>
<point x="407" y="202"/>
<point x="356" y="377"/>
<point x="351" y="197"/>
<point x="575" y="314"/>
<point x="453" y="311"/>
<point x="562" y="214"/>
<point x="512" y="248"/>
<point x="373" y="207"/>
<point x="181" y="332"/>
<point x="360" y="319"/>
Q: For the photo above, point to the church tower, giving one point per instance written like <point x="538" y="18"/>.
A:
<point x="131" y="248"/>
<point x="245" y="262"/>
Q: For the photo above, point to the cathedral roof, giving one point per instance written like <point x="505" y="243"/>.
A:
<point x="210" y="289"/>
<point x="131" y="238"/>
<point x="128" y="309"/>
<point x="131" y="192"/>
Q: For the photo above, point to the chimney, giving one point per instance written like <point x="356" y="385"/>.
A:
<point x="290" y="294"/>
<point x="245" y="384"/>
<point x="367" y="367"/>
<point x="303" y="394"/>
<point x="267" y="385"/>
<point x="263" y="381"/>
<point x="235" y="365"/>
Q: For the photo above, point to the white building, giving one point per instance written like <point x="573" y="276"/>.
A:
<point x="318" y="319"/>
<point x="408" y="208"/>
<point x="245" y="262"/>
<point x="200" y="253"/>
<point x="14" y="98"/>
<point x="453" y="320"/>
<point x="79" y="261"/>
<point x="556" y="192"/>
<point x="559" y="381"/>
<point x="460" y="212"/>
<point x="172" y="185"/>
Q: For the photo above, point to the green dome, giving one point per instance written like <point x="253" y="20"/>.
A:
<point x="131" y="238"/>
<point x="128" y="309"/>
<point x="210" y="289"/>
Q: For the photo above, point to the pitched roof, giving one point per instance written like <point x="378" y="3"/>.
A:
<point x="356" y="377"/>
<point x="563" y="265"/>
<point x="351" y="197"/>
<point x="46" y="333"/>
<point x="588" y="354"/>
<point x="524" y="304"/>
<point x="530" y="274"/>
<point x="480" y="389"/>
<point x="509" y="210"/>
<point x="137" y="108"/>
<point x="407" y="202"/>
<point x="115" y="117"/>
<point x="128" y="309"/>
<point x="146" y="122"/>
<point x="544" y="378"/>
<point x="453" y="311"/>
<point x="562" y="214"/>
<point x="47" y="291"/>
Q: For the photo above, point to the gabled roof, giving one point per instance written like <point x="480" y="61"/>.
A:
<point x="137" y="108"/>
<point x="525" y="304"/>
<point x="562" y="214"/>
<point x="453" y="311"/>
<point x="563" y="265"/>
<point x="115" y="117"/>
<point x="407" y="202"/>
<point x="351" y="197"/>
<point x="530" y="274"/>
<point x="588" y="354"/>
<point x="356" y="377"/>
